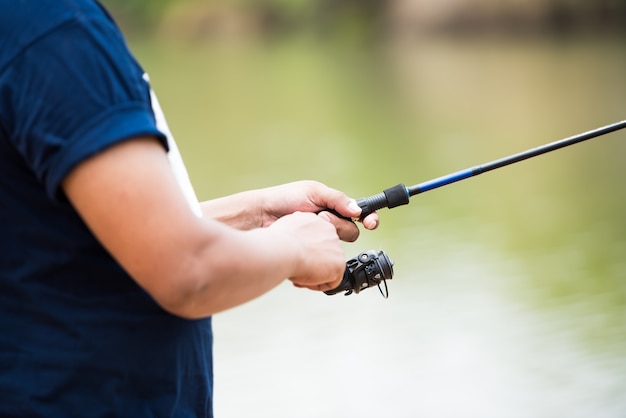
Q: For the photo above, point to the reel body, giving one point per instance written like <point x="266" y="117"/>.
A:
<point x="369" y="268"/>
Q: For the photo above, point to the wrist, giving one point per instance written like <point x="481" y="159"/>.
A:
<point x="241" y="210"/>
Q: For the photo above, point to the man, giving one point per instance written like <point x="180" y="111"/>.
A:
<point x="110" y="269"/>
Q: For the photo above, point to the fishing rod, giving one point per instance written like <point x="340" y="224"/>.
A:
<point x="400" y="194"/>
<point x="372" y="268"/>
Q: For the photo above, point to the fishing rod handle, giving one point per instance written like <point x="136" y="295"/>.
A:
<point x="390" y="198"/>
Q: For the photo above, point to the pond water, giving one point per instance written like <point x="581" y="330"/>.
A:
<point x="509" y="294"/>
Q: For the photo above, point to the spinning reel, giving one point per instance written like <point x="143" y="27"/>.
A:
<point x="368" y="269"/>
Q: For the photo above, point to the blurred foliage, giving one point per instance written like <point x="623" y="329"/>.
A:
<point x="137" y="15"/>
<point x="363" y="19"/>
<point x="269" y="17"/>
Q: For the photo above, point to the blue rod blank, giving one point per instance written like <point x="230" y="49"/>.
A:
<point x="524" y="155"/>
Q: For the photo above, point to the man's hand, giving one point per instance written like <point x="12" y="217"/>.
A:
<point x="321" y="263"/>
<point x="262" y="207"/>
<point x="312" y="196"/>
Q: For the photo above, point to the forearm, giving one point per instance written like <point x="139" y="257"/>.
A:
<point x="194" y="267"/>
<point x="228" y="271"/>
<point x="191" y="266"/>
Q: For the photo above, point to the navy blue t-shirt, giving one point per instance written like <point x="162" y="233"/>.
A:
<point x="78" y="337"/>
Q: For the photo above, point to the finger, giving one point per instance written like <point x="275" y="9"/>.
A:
<point x="347" y="207"/>
<point x="327" y="198"/>
<point x="317" y="287"/>
<point x="371" y="221"/>
<point x="346" y="230"/>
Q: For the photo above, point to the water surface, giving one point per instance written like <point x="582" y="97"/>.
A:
<point x="509" y="295"/>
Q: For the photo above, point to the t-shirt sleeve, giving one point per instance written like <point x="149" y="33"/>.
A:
<point x="72" y="93"/>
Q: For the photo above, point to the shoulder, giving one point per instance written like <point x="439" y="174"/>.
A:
<point x="69" y="85"/>
<point x="23" y="23"/>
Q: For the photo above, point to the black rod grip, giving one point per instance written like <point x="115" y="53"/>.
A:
<point x="390" y="198"/>
<point x="397" y="196"/>
<point x="371" y="204"/>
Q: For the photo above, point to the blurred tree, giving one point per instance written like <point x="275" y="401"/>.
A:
<point x="513" y="16"/>
<point x="137" y="15"/>
<point x="365" y="19"/>
<point x="337" y="18"/>
<point x="357" y="19"/>
<point x="564" y="14"/>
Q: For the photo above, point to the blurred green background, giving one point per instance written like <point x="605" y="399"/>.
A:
<point x="509" y="295"/>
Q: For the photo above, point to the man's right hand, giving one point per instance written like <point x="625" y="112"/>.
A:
<point x="321" y="263"/>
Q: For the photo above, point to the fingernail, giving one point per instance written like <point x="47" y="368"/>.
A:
<point x="354" y="206"/>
